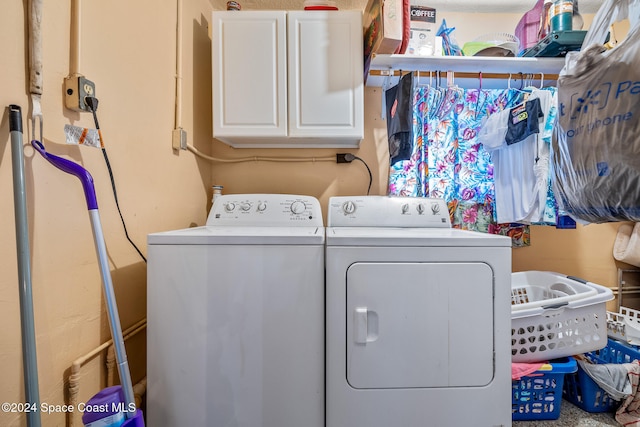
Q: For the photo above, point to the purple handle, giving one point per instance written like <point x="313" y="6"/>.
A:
<point x="74" y="169"/>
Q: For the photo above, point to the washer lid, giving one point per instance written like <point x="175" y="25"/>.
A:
<point x="229" y="235"/>
<point x="381" y="236"/>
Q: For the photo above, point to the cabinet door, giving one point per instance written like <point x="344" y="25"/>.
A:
<point x="325" y="74"/>
<point x="249" y="73"/>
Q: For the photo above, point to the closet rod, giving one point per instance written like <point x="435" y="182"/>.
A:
<point x="466" y="75"/>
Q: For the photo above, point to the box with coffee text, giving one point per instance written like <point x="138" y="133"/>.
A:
<point x="423" y="29"/>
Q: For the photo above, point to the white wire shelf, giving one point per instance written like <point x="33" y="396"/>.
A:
<point x="491" y="67"/>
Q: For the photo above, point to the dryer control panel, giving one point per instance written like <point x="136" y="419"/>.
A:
<point x="272" y="210"/>
<point x="387" y="211"/>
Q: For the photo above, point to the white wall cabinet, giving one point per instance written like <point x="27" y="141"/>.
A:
<point x="288" y="79"/>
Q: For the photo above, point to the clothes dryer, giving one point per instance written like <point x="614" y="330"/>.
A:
<point x="417" y="317"/>
<point x="236" y="316"/>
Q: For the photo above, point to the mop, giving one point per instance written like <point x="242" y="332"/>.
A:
<point x="118" y="400"/>
<point x="29" y="361"/>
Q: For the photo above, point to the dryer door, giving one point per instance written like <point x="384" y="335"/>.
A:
<point x="418" y="325"/>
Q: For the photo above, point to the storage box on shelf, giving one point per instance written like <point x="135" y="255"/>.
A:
<point x="538" y="396"/>
<point x="581" y="390"/>
<point x="529" y="26"/>
<point x="554" y="315"/>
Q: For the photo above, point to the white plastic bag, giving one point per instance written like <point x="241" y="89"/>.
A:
<point x="596" y="149"/>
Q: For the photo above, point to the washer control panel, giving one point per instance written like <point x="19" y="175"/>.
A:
<point x="276" y="210"/>
<point x="387" y="211"/>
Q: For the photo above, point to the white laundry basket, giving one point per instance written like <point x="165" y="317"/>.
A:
<point x="624" y="325"/>
<point x="554" y="315"/>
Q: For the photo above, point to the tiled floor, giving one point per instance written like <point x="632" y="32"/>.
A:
<point x="572" y="416"/>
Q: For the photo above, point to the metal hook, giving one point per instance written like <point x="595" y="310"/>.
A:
<point x="541" y="80"/>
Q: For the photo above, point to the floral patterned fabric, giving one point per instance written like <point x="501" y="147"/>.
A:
<point x="449" y="162"/>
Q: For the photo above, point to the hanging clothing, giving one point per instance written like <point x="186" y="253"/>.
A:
<point x="399" y="118"/>
<point x="442" y="138"/>
<point x="523" y="121"/>
<point x="448" y="161"/>
<point x="407" y="176"/>
<point x="522" y="166"/>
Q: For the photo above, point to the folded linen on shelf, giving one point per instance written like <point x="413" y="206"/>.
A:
<point x="626" y="247"/>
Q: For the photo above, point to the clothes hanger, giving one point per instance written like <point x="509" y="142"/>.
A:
<point x="451" y="79"/>
<point x="521" y="81"/>
<point x="524" y="93"/>
<point x="386" y="84"/>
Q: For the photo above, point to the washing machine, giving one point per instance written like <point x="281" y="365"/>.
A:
<point x="235" y="323"/>
<point x="418" y="317"/>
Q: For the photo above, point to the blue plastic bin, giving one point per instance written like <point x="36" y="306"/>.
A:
<point x="583" y="392"/>
<point x="538" y="396"/>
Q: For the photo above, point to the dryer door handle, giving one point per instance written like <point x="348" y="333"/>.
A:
<point x="365" y="325"/>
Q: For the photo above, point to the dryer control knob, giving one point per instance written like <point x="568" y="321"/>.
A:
<point x="245" y="207"/>
<point x="229" y="207"/>
<point x="348" y="207"/>
<point x="405" y="208"/>
<point x="420" y="208"/>
<point x="262" y="206"/>
<point x="298" y="207"/>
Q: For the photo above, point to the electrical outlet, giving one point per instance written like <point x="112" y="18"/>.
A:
<point x="77" y="88"/>
<point x="344" y="158"/>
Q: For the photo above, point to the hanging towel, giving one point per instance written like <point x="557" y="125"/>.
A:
<point x="627" y="245"/>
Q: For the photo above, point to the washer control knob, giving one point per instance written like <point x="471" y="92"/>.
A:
<point x="405" y="208"/>
<point x="262" y="206"/>
<point x="298" y="207"/>
<point x="420" y="208"/>
<point x="435" y="208"/>
<point x="229" y="207"/>
<point x="245" y="206"/>
<point x="348" y="207"/>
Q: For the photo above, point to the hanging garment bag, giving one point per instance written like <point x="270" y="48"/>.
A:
<point x="596" y="149"/>
<point x="399" y="119"/>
